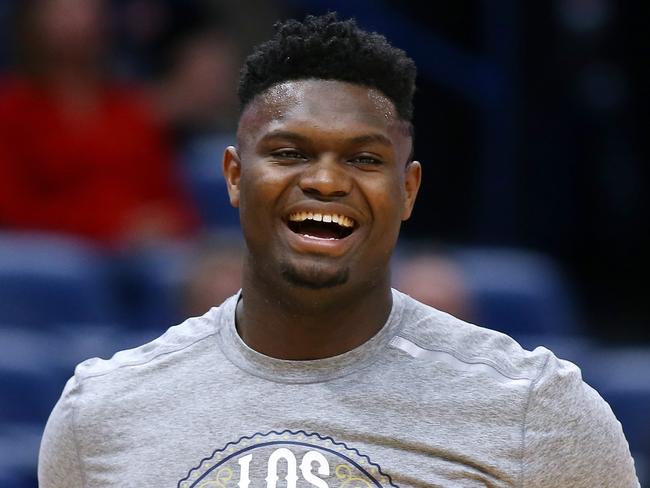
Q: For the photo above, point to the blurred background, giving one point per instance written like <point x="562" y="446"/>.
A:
<point x="114" y="221"/>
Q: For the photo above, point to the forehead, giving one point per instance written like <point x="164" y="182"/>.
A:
<point x="325" y="104"/>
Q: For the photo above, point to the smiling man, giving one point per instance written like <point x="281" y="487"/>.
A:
<point x="323" y="180"/>
<point x="317" y="373"/>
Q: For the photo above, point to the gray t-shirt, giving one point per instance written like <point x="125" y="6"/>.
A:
<point x="430" y="401"/>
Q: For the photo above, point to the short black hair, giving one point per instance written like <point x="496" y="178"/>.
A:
<point x="323" y="47"/>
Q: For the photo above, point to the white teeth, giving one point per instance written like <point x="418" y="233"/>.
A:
<point x="342" y="220"/>
<point x="345" y="221"/>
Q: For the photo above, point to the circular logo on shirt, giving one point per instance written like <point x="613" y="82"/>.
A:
<point x="286" y="459"/>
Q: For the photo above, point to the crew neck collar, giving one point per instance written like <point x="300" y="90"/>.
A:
<point x="308" y="371"/>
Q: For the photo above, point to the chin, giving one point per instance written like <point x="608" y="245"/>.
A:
<point x="315" y="278"/>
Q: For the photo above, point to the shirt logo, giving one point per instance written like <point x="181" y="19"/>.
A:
<point x="286" y="459"/>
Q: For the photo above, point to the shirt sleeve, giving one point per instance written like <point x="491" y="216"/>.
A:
<point x="59" y="464"/>
<point x="571" y="436"/>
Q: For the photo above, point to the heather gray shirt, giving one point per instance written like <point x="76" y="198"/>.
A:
<point x="429" y="401"/>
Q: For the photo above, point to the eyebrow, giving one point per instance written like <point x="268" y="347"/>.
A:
<point x="374" y="137"/>
<point x="284" y="134"/>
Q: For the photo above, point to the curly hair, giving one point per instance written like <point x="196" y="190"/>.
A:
<point x="323" y="47"/>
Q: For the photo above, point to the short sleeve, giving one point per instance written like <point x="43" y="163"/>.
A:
<point x="571" y="436"/>
<point x="59" y="463"/>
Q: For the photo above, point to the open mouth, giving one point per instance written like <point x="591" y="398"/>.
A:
<point x="321" y="225"/>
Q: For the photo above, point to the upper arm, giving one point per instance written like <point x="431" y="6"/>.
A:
<point x="59" y="464"/>
<point x="571" y="437"/>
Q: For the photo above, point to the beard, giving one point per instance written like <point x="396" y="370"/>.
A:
<point x="314" y="278"/>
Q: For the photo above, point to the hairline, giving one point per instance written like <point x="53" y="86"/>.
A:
<point x="244" y="107"/>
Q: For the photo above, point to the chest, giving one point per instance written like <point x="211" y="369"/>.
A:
<point x="351" y="433"/>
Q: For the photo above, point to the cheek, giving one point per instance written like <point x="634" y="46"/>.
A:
<point x="386" y="197"/>
<point x="255" y="205"/>
<point x="262" y="189"/>
<point x="385" y="200"/>
<point x="256" y="186"/>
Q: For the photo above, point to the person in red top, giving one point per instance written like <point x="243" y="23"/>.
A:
<point x="78" y="154"/>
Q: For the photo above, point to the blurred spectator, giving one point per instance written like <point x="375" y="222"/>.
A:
<point x="79" y="154"/>
<point x="190" y="53"/>
<point x="436" y="280"/>
<point x="197" y="89"/>
<point x="214" y="275"/>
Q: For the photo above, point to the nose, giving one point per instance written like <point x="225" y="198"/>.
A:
<point x="325" y="177"/>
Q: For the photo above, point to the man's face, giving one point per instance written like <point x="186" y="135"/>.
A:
<point x="321" y="181"/>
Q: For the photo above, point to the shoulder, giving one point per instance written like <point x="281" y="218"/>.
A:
<point x="177" y="345"/>
<point x="427" y="331"/>
<point x="570" y="437"/>
<point x="106" y="393"/>
<point x="570" y="434"/>
<point x="175" y="340"/>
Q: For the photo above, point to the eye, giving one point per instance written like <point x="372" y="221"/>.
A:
<point x="288" y="154"/>
<point x="365" y="160"/>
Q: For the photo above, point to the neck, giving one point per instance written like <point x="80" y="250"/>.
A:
<point x="294" y="323"/>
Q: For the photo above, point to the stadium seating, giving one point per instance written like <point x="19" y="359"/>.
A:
<point x="34" y="366"/>
<point x="46" y="278"/>
<point x="18" y="454"/>
<point x="622" y="377"/>
<point x="518" y="292"/>
<point x="150" y="283"/>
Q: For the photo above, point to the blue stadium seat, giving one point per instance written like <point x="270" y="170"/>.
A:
<point x="19" y="455"/>
<point x="622" y="376"/>
<point x="153" y="279"/>
<point x="28" y="395"/>
<point x="18" y="478"/>
<point x="30" y="381"/>
<point x="47" y="279"/>
<point x="518" y="292"/>
<point x="34" y="365"/>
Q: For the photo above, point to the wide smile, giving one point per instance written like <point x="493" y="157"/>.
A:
<point x="321" y="225"/>
<point x="321" y="232"/>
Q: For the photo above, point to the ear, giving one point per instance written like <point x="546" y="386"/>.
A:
<point x="412" y="179"/>
<point x="232" y="174"/>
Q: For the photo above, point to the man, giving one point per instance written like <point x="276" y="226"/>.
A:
<point x="317" y="373"/>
